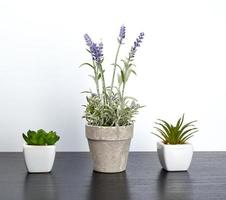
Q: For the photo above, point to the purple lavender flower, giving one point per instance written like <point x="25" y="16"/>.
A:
<point x="88" y="40"/>
<point x="136" y="44"/>
<point x="122" y="34"/>
<point x="95" y="49"/>
<point x="97" y="52"/>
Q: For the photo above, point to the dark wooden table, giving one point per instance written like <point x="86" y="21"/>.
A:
<point x="72" y="179"/>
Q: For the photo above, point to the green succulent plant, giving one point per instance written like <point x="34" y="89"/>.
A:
<point x="175" y="134"/>
<point x="41" y="137"/>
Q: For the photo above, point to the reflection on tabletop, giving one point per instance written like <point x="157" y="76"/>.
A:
<point x="174" y="185"/>
<point x="40" y="187"/>
<point x="108" y="186"/>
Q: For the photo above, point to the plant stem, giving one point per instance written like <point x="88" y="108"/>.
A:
<point x="123" y="89"/>
<point x="124" y="83"/>
<point x="103" y="83"/>
<point x="115" y="63"/>
<point x="96" y="79"/>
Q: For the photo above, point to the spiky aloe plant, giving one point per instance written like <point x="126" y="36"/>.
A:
<point x="175" y="134"/>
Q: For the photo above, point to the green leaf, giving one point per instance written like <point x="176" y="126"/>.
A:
<point x="162" y="138"/>
<point x="166" y="129"/>
<point x="30" y="133"/>
<point x="88" y="92"/>
<point x="87" y="64"/>
<point x="41" y="131"/>
<point x="117" y="65"/>
<point x="122" y="76"/>
<point x="187" y="131"/>
<point x="25" y="138"/>
<point x="119" y="80"/>
<point x="41" y="140"/>
<point x="161" y="132"/>
<point x="92" y="77"/>
<point x="133" y="72"/>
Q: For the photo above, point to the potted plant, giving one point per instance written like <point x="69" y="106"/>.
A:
<point x="109" y="112"/>
<point x="39" y="150"/>
<point x="174" y="152"/>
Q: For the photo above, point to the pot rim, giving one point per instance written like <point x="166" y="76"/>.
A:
<point x="108" y="127"/>
<point x="174" y="145"/>
<point x="39" y="146"/>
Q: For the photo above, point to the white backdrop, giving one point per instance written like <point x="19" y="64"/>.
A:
<point x="180" y="66"/>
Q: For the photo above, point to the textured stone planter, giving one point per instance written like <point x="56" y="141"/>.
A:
<point x="39" y="159"/>
<point x="175" y="157"/>
<point x="109" y="147"/>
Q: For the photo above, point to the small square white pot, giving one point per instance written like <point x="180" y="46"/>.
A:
<point x="39" y="159"/>
<point x="175" y="157"/>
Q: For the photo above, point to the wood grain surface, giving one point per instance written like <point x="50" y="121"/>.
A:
<point x="72" y="178"/>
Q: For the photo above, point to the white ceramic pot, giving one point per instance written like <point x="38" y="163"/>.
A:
<point x="175" y="157"/>
<point x="109" y="147"/>
<point x="39" y="159"/>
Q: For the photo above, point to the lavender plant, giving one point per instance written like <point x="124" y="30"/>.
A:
<point x="108" y="105"/>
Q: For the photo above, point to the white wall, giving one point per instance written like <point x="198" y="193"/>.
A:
<point x="180" y="66"/>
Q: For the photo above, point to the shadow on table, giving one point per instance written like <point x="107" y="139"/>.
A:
<point x="40" y="187"/>
<point x="108" y="186"/>
<point x="174" y="185"/>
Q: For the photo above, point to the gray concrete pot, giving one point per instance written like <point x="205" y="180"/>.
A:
<point x="109" y="147"/>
